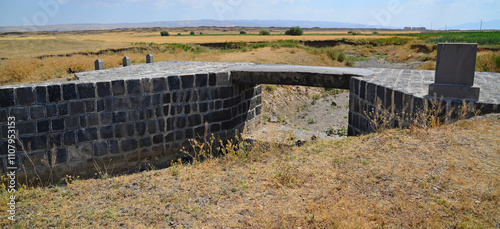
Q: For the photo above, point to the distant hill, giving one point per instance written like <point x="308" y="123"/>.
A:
<point x="192" y="23"/>
<point x="495" y="24"/>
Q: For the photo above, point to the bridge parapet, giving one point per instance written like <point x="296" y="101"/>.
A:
<point x="314" y="76"/>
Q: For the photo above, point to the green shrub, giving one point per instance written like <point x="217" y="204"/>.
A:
<point x="375" y="33"/>
<point x="201" y="33"/>
<point x="243" y="32"/>
<point x="342" y="131"/>
<point x="295" y="31"/>
<point x="178" y="34"/>
<point x="185" y="47"/>
<point x="164" y="33"/>
<point x="191" y="33"/>
<point x="264" y="32"/>
<point x="271" y="87"/>
<point x="335" y="54"/>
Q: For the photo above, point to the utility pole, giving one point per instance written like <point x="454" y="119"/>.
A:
<point x="481" y="26"/>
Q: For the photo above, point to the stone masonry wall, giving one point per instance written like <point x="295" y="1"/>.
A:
<point x="399" y="96"/>
<point x="77" y="128"/>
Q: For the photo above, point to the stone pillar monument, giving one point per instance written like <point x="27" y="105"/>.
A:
<point x="149" y="59"/>
<point x="455" y="67"/>
<point x="99" y="64"/>
<point x="126" y="61"/>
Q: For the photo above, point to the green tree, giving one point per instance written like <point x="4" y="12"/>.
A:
<point x="164" y="33"/>
<point x="295" y="31"/>
<point x="264" y="32"/>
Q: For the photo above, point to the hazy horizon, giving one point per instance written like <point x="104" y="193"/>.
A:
<point x="433" y="14"/>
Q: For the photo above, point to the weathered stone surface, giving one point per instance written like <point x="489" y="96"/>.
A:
<point x="54" y="93"/>
<point x="6" y="97"/>
<point x="296" y="75"/>
<point x="25" y="96"/>
<point x="69" y="91"/>
<point x="149" y="59"/>
<point x="37" y="112"/>
<point x="20" y="113"/>
<point x="100" y="148"/>
<point x="80" y="152"/>
<point x="118" y="87"/>
<point x="404" y="93"/>
<point x="98" y="64"/>
<point x="455" y="67"/>
<point x="86" y="90"/>
<point x="57" y="124"/>
<point x="126" y="61"/>
<point x="456" y="63"/>
<point x="129" y="144"/>
<point x="453" y="91"/>
<point x="41" y="94"/>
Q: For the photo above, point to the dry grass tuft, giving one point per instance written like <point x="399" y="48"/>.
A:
<point x="417" y="178"/>
<point x="488" y="62"/>
<point x="428" y="65"/>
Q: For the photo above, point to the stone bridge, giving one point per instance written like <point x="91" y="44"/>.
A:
<point x="125" y="118"/>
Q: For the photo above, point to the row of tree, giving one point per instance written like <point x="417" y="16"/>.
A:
<point x="294" y="31"/>
<point x="166" y="33"/>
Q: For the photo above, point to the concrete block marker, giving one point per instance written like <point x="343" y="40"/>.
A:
<point x="99" y="64"/>
<point x="126" y="61"/>
<point x="149" y="59"/>
<point x="455" y="68"/>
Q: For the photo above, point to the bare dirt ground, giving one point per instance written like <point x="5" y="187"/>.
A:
<point x="297" y="114"/>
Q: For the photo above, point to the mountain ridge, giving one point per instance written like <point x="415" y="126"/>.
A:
<point x="487" y="25"/>
<point x="189" y="23"/>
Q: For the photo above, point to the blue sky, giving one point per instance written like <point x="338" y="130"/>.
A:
<point x="394" y="13"/>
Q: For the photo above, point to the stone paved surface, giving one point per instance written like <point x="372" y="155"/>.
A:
<point x="159" y="69"/>
<point x="416" y="82"/>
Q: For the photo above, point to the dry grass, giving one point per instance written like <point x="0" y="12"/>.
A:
<point x="488" y="61"/>
<point x="428" y="65"/>
<point x="418" y="178"/>
<point x="35" y="45"/>
<point x="26" y="70"/>
<point x="25" y="47"/>
<point x="23" y="67"/>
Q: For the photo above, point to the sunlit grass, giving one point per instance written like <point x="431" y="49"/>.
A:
<point x="420" y="177"/>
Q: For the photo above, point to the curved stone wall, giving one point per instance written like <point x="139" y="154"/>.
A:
<point x="120" y="123"/>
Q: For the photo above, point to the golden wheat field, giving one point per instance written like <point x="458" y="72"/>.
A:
<point x="35" y="45"/>
<point x="41" y="56"/>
